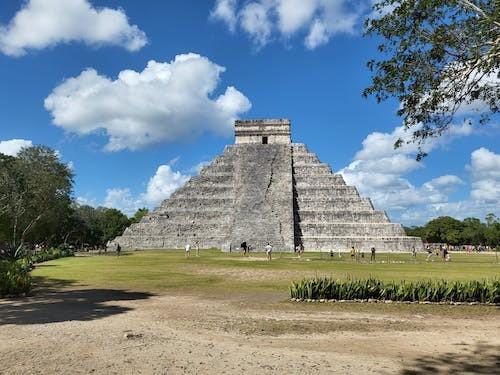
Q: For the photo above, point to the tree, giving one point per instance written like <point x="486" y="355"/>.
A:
<point x="440" y="58"/>
<point x="473" y="232"/>
<point x="139" y="214"/>
<point x="36" y="190"/>
<point x="444" y="229"/>
<point x="112" y="223"/>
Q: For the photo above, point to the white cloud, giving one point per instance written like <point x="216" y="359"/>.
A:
<point x="160" y="186"/>
<point x="13" y="146"/>
<point x="166" y="102"/>
<point x="484" y="192"/>
<point x="164" y="182"/>
<point x="123" y="200"/>
<point x="45" y="23"/>
<point x="485" y="171"/>
<point x="255" y="20"/>
<point x="225" y="11"/>
<point x="315" y="20"/>
<point x="378" y="170"/>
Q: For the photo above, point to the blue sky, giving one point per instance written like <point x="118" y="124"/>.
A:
<point x="79" y="84"/>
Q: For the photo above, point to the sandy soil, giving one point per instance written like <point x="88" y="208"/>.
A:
<point x="117" y="332"/>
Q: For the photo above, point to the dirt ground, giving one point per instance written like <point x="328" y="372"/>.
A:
<point x="73" y="331"/>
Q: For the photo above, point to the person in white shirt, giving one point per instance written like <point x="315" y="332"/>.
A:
<point x="188" y="250"/>
<point x="269" y="251"/>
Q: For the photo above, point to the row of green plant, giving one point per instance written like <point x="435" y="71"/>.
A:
<point x="14" y="279"/>
<point x="483" y="291"/>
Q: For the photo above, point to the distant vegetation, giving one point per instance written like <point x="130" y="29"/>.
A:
<point x="470" y="231"/>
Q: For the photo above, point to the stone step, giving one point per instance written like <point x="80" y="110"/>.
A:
<point x="311" y="168"/>
<point x="343" y="216"/>
<point x="202" y="190"/>
<point x="313" y="180"/>
<point x="188" y="215"/>
<point x="323" y="192"/>
<point x="212" y="179"/>
<point x="164" y="242"/>
<point x="333" y="203"/>
<point x="363" y="243"/>
<point x="350" y="229"/>
<point x="197" y="202"/>
<point x="305" y="158"/>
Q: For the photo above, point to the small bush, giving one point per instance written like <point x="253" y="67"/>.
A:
<point x="49" y="254"/>
<point x="484" y="291"/>
<point x="14" y="279"/>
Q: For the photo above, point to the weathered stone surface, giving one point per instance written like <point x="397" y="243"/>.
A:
<point x="267" y="189"/>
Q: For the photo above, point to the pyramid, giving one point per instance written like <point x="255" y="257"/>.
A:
<point x="265" y="188"/>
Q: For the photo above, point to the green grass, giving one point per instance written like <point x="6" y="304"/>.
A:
<point x="215" y="272"/>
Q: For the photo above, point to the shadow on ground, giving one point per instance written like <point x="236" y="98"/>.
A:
<point x="482" y="359"/>
<point x="51" y="306"/>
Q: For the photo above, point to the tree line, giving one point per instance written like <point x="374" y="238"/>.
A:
<point x="470" y="231"/>
<point x="37" y="207"/>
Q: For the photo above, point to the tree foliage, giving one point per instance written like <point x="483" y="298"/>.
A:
<point x="439" y="58"/>
<point x="36" y="190"/>
<point x="470" y="231"/>
<point x="139" y="214"/>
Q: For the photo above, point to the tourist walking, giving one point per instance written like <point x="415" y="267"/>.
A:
<point x="353" y="252"/>
<point x="244" y="247"/>
<point x="414" y="253"/>
<point x="372" y="256"/>
<point x="430" y="253"/>
<point x="118" y="250"/>
<point x="197" y="248"/>
<point x="188" y="250"/>
<point x="269" y="251"/>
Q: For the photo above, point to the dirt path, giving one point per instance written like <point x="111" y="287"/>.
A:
<point x="103" y="331"/>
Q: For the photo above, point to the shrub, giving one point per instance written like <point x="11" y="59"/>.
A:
<point x="14" y="279"/>
<point x="484" y="291"/>
<point x="49" y="254"/>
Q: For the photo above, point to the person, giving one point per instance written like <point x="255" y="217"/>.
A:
<point x="244" y="247"/>
<point x="446" y="255"/>
<point x="269" y="250"/>
<point x="414" y="253"/>
<point x="361" y="251"/>
<point x="353" y="252"/>
<point x="331" y="253"/>
<point x="188" y="250"/>
<point x="372" y="257"/>
<point x="118" y="250"/>
<point x="197" y="248"/>
<point x="429" y="253"/>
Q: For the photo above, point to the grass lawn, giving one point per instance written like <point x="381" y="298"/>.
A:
<point x="215" y="272"/>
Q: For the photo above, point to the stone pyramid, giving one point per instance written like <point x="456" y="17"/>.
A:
<point x="265" y="188"/>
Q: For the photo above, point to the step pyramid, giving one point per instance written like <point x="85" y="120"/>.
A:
<point x="266" y="189"/>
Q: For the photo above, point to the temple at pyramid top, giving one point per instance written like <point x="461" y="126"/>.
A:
<point x="265" y="131"/>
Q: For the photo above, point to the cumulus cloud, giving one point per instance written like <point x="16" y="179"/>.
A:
<point x="167" y="101"/>
<point x="225" y="11"/>
<point x="159" y="187"/>
<point x="164" y="182"/>
<point x="315" y="20"/>
<point x="45" y="23"/>
<point x="484" y="196"/>
<point x="485" y="171"/>
<point x="13" y="146"/>
<point x="379" y="171"/>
